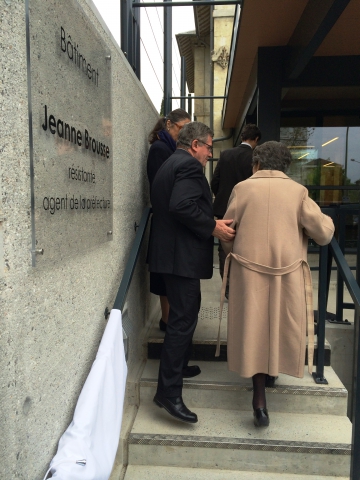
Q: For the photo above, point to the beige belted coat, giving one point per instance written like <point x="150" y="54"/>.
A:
<point x="273" y="217"/>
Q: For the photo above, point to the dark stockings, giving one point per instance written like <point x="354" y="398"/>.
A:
<point x="259" y="398"/>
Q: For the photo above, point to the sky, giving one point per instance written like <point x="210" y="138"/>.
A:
<point x="151" y="32"/>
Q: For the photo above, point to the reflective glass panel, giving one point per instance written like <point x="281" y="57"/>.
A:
<point x="325" y="156"/>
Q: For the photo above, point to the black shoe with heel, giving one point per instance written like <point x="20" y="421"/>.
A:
<point x="270" y="381"/>
<point x="261" y="417"/>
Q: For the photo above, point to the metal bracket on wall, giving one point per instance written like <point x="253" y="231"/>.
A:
<point x="39" y="251"/>
<point x="126" y="345"/>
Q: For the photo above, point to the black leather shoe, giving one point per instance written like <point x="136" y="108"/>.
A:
<point x="261" y="417"/>
<point x="270" y="381"/>
<point x="191" y="371"/>
<point x="176" y="408"/>
<point x="162" y="325"/>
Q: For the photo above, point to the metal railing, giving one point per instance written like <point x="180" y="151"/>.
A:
<point x="131" y="262"/>
<point x="333" y="251"/>
<point x="129" y="271"/>
<point x="339" y="215"/>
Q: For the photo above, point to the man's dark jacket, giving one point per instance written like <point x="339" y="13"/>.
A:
<point x="181" y="239"/>
<point x="234" y="166"/>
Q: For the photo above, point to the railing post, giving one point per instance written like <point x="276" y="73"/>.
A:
<point x="340" y="281"/>
<point x="124" y="16"/>
<point x="322" y="302"/>
<point x="355" y="402"/>
<point x="211" y="122"/>
<point x="136" y="38"/>
<point x="190" y="105"/>
<point x="328" y="278"/>
<point x="358" y="249"/>
<point x="129" y="44"/>
<point x="167" y="60"/>
<point x="183" y="83"/>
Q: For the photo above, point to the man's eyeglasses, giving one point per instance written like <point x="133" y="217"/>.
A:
<point x="209" y="147"/>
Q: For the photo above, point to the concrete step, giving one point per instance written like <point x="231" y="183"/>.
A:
<point x="216" y="387"/>
<point x="204" y="350"/>
<point x="227" y="439"/>
<point x="205" y="337"/>
<point x="139" y="472"/>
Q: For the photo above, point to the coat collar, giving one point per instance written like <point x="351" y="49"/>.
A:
<point x="270" y="174"/>
<point x="182" y="151"/>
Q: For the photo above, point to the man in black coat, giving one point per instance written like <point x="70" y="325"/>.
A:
<point x="181" y="248"/>
<point x="234" y="166"/>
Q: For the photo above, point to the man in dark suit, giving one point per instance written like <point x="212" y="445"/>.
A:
<point x="181" y="248"/>
<point x="234" y="166"/>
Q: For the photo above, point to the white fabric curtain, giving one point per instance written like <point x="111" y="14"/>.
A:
<point x="94" y="433"/>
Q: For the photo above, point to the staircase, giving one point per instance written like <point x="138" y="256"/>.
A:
<point x="309" y="436"/>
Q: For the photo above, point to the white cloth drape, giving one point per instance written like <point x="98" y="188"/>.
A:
<point x="95" y="430"/>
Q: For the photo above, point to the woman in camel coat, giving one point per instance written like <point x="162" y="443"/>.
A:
<point x="270" y="298"/>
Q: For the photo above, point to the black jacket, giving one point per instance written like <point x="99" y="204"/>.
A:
<point x="158" y="153"/>
<point x="234" y="166"/>
<point x="181" y="240"/>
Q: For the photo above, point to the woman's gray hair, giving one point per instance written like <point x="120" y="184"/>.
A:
<point x="193" y="131"/>
<point x="272" y="156"/>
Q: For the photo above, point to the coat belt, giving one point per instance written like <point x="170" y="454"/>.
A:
<point x="257" y="267"/>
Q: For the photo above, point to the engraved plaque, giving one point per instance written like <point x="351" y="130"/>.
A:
<point x="69" y="76"/>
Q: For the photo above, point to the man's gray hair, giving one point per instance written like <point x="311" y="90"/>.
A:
<point x="272" y="156"/>
<point x="193" y="131"/>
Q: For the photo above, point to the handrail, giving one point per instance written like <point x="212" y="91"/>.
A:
<point x="354" y="290"/>
<point x="345" y="271"/>
<point x="327" y="253"/>
<point x="131" y="262"/>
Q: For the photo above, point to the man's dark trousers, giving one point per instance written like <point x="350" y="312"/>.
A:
<point x="181" y="249"/>
<point x="184" y="298"/>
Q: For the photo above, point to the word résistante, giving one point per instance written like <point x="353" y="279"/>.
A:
<point x="81" y="175"/>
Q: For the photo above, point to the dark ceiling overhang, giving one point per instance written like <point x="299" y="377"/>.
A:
<point x="186" y="43"/>
<point x="202" y="20"/>
<point x="187" y="40"/>
<point x="308" y="29"/>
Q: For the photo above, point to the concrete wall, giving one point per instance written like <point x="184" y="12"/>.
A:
<point x="52" y="319"/>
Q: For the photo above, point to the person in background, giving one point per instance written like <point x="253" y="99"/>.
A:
<point x="270" y="301"/>
<point x="163" y="139"/>
<point x="234" y="166"/>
